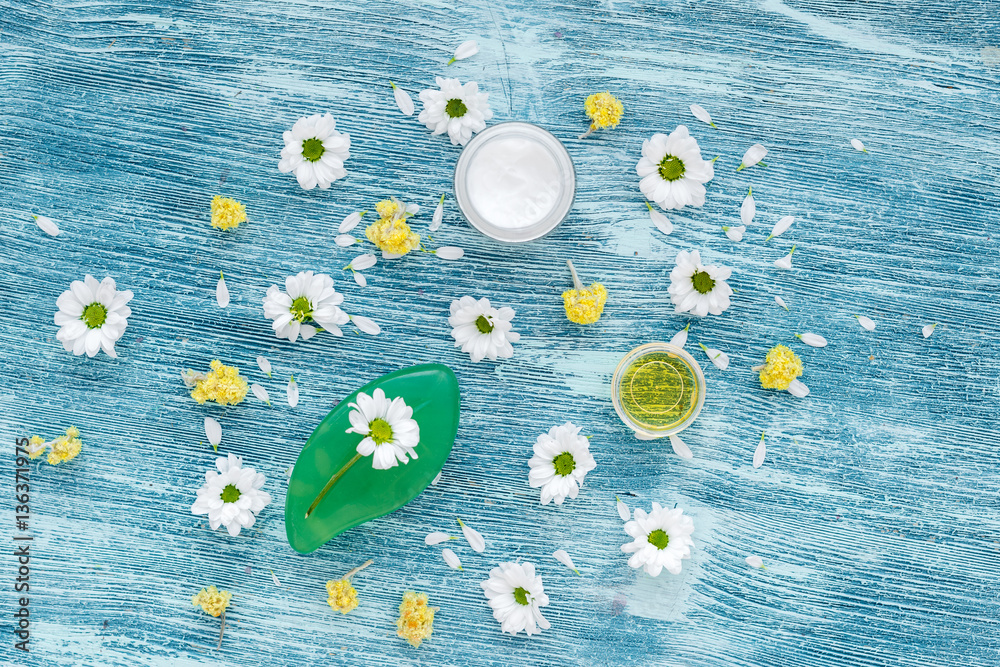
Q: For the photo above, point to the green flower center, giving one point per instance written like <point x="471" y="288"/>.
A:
<point x="521" y="596"/>
<point x="94" y="315"/>
<point x="703" y="282"/>
<point x="455" y="108"/>
<point x="671" y="168"/>
<point x="230" y="494"/>
<point x="483" y="324"/>
<point x="659" y="539"/>
<point x="380" y="431"/>
<point x="301" y="309"/>
<point x="312" y="149"/>
<point x="564" y="464"/>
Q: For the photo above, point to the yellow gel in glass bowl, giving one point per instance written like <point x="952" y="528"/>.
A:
<point x="658" y="389"/>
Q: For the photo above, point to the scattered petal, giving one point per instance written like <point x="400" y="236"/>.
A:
<point x="781" y="302"/>
<point x="858" y="146"/>
<point x="436" y="538"/>
<point x="753" y="155"/>
<point x="449" y="252"/>
<point x="749" y="208"/>
<point x="866" y="323"/>
<point x="563" y="557"/>
<point x="260" y="393"/>
<point x="264" y="365"/>
<point x="437" y="478"/>
<point x="465" y="50"/>
<point x="786" y="261"/>
<point x="274" y="578"/>
<point x="760" y="452"/>
<point x="680" y="338"/>
<point x="350" y="222"/>
<point x="47" y="225"/>
<point x="221" y="292"/>
<point x="307" y="331"/>
<point x="362" y="262"/>
<point x="360" y="279"/>
<point x="702" y="115"/>
<point x="928" y="330"/>
<point x="473" y="537"/>
<point x="680" y="448"/>
<point x="734" y="233"/>
<point x="292" y="392"/>
<point x="781" y="227"/>
<point x="812" y="340"/>
<point x="366" y="325"/>
<point x="213" y="431"/>
<point x="452" y="560"/>
<point x="438" y="216"/>
<point x="345" y="240"/>
<point x="403" y="99"/>
<point x="798" y="389"/>
<point x="718" y="357"/>
<point x="755" y="561"/>
<point x="659" y="220"/>
<point x="623" y="511"/>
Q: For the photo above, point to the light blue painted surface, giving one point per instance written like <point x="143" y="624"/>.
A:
<point x="876" y="510"/>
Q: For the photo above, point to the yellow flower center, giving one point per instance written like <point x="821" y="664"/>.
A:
<point x="301" y="309"/>
<point x="671" y="168"/>
<point x="659" y="539"/>
<point x="94" y="315"/>
<point x="380" y="431"/>
<point x="564" y="464"/>
<point x="312" y="149"/>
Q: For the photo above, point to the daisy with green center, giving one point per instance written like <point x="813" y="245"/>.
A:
<point x="460" y="110"/>
<point x="233" y="496"/>
<point x="516" y="594"/>
<point x="672" y="171"/>
<point x="390" y="431"/>
<point x="699" y="289"/>
<point x="308" y="297"/>
<point x="660" y="539"/>
<point x="482" y="330"/>
<point x="561" y="462"/>
<point x="315" y="151"/>
<point x="92" y="316"/>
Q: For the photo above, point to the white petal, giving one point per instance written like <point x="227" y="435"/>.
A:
<point x="292" y="393"/>
<point x="221" y="293"/>
<point x="781" y="302"/>
<point x="680" y="448"/>
<point x="213" y="431"/>
<point x="450" y="558"/>
<point x="360" y="279"/>
<point x="349" y="223"/>
<point x="623" y="511"/>
<point x="46" y="225"/>
<point x="563" y="557"/>
<point x="718" y="357"/>
<point x="928" y="330"/>
<point x="702" y="115"/>
<point x="403" y="100"/>
<point x="866" y="323"/>
<point x="748" y="210"/>
<point x="680" y="338"/>
<point x="307" y="331"/>
<point x="858" y="146"/>
<point x="366" y="325"/>
<point x="438" y="216"/>
<point x="264" y="365"/>
<point x="473" y="537"/>
<point x="753" y="155"/>
<point x="436" y="538"/>
<point x="437" y="478"/>
<point x="781" y="226"/>
<point x="755" y="561"/>
<point x="362" y="262"/>
<point x="345" y="240"/>
<point x="466" y="50"/>
<point x="759" y="453"/>
<point x="812" y="340"/>
<point x="735" y="233"/>
<point x="260" y="393"/>
<point x="449" y="252"/>
<point x="798" y="389"/>
<point x="274" y="578"/>
<point x="785" y="262"/>
<point x="661" y="221"/>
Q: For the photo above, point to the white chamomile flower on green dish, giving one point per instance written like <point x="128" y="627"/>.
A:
<point x="308" y="297"/>
<point x="92" y="316"/>
<point x="233" y="496"/>
<point x="660" y="539"/>
<point x="390" y="431"/>
<point x="699" y="289"/>
<point x="460" y="110"/>
<point x="672" y="171"/>
<point x="315" y="151"/>
<point x="515" y="594"/>
<point x="561" y="462"/>
<point x="482" y="330"/>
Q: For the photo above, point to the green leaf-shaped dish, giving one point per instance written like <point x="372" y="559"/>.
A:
<point x="363" y="493"/>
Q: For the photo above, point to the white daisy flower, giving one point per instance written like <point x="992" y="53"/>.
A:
<point x="92" y="316"/>
<point x="659" y="220"/>
<point x="221" y="292"/>
<point x="564" y="558"/>
<point x="389" y="429"/>
<point x="811" y="339"/>
<point x="481" y="330"/>
<point x="449" y="252"/>
<point x="437" y="537"/>
<point x="672" y="171"/>
<point x="928" y="329"/>
<point x="753" y="155"/>
<point x="717" y="357"/>
<point x="465" y="50"/>
<point x="231" y="497"/>
<point x="307" y="297"/>
<point x="760" y="452"/>
<point x="458" y="110"/>
<point x="748" y="209"/>
<point x="734" y="233"/>
<point x="451" y="559"/>
<point x="47" y="225"/>
<point x="755" y="561"/>
<point x="561" y="462"/>
<point x="623" y="511"/>
<point x="292" y="392"/>
<point x="858" y="146"/>
<point x="866" y="323"/>
<point x="515" y="593"/>
<point x="261" y="393"/>
<point x="680" y="338"/>
<point x="403" y="99"/>
<point x="781" y="302"/>
<point x="798" y="389"/>
<point x="661" y="539"/>
<point x="781" y="227"/>
<point x="786" y="261"/>
<point x="438" y="216"/>
<point x="699" y="112"/>
<point x="473" y="537"/>
<point x="213" y="431"/>
<point x="698" y="289"/>
<point x="315" y="151"/>
<point x="680" y="448"/>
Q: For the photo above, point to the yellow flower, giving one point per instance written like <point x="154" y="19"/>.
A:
<point x="227" y="213"/>
<point x="222" y="385"/>
<point x="392" y="234"/>
<point x="36" y="446"/>
<point x="604" y="110"/>
<point x="212" y="600"/>
<point x="64" y="448"/>
<point x="780" y="367"/>
<point x="390" y="208"/>
<point x="584" y="306"/>
<point x="416" y="619"/>
<point x="342" y="595"/>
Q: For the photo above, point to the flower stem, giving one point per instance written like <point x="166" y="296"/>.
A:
<point x="329" y="485"/>
<point x="222" y="628"/>
<point x="358" y="568"/>
<point x="576" y="279"/>
<point x="590" y="130"/>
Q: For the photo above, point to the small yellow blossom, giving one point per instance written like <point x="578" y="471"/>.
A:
<point x="36" y="446"/>
<point x="391" y="208"/>
<point x="227" y="213"/>
<point x="342" y="595"/>
<point x="604" y="110"/>
<point x="223" y="384"/>
<point x="212" y="601"/>
<point x="584" y="305"/>
<point x="64" y="448"/>
<point x="416" y="619"/>
<point x="780" y="367"/>
<point x="392" y="234"/>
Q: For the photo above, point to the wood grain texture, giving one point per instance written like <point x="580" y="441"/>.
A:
<point x="876" y="511"/>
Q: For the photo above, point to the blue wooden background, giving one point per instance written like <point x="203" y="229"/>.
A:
<point x="876" y="511"/>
